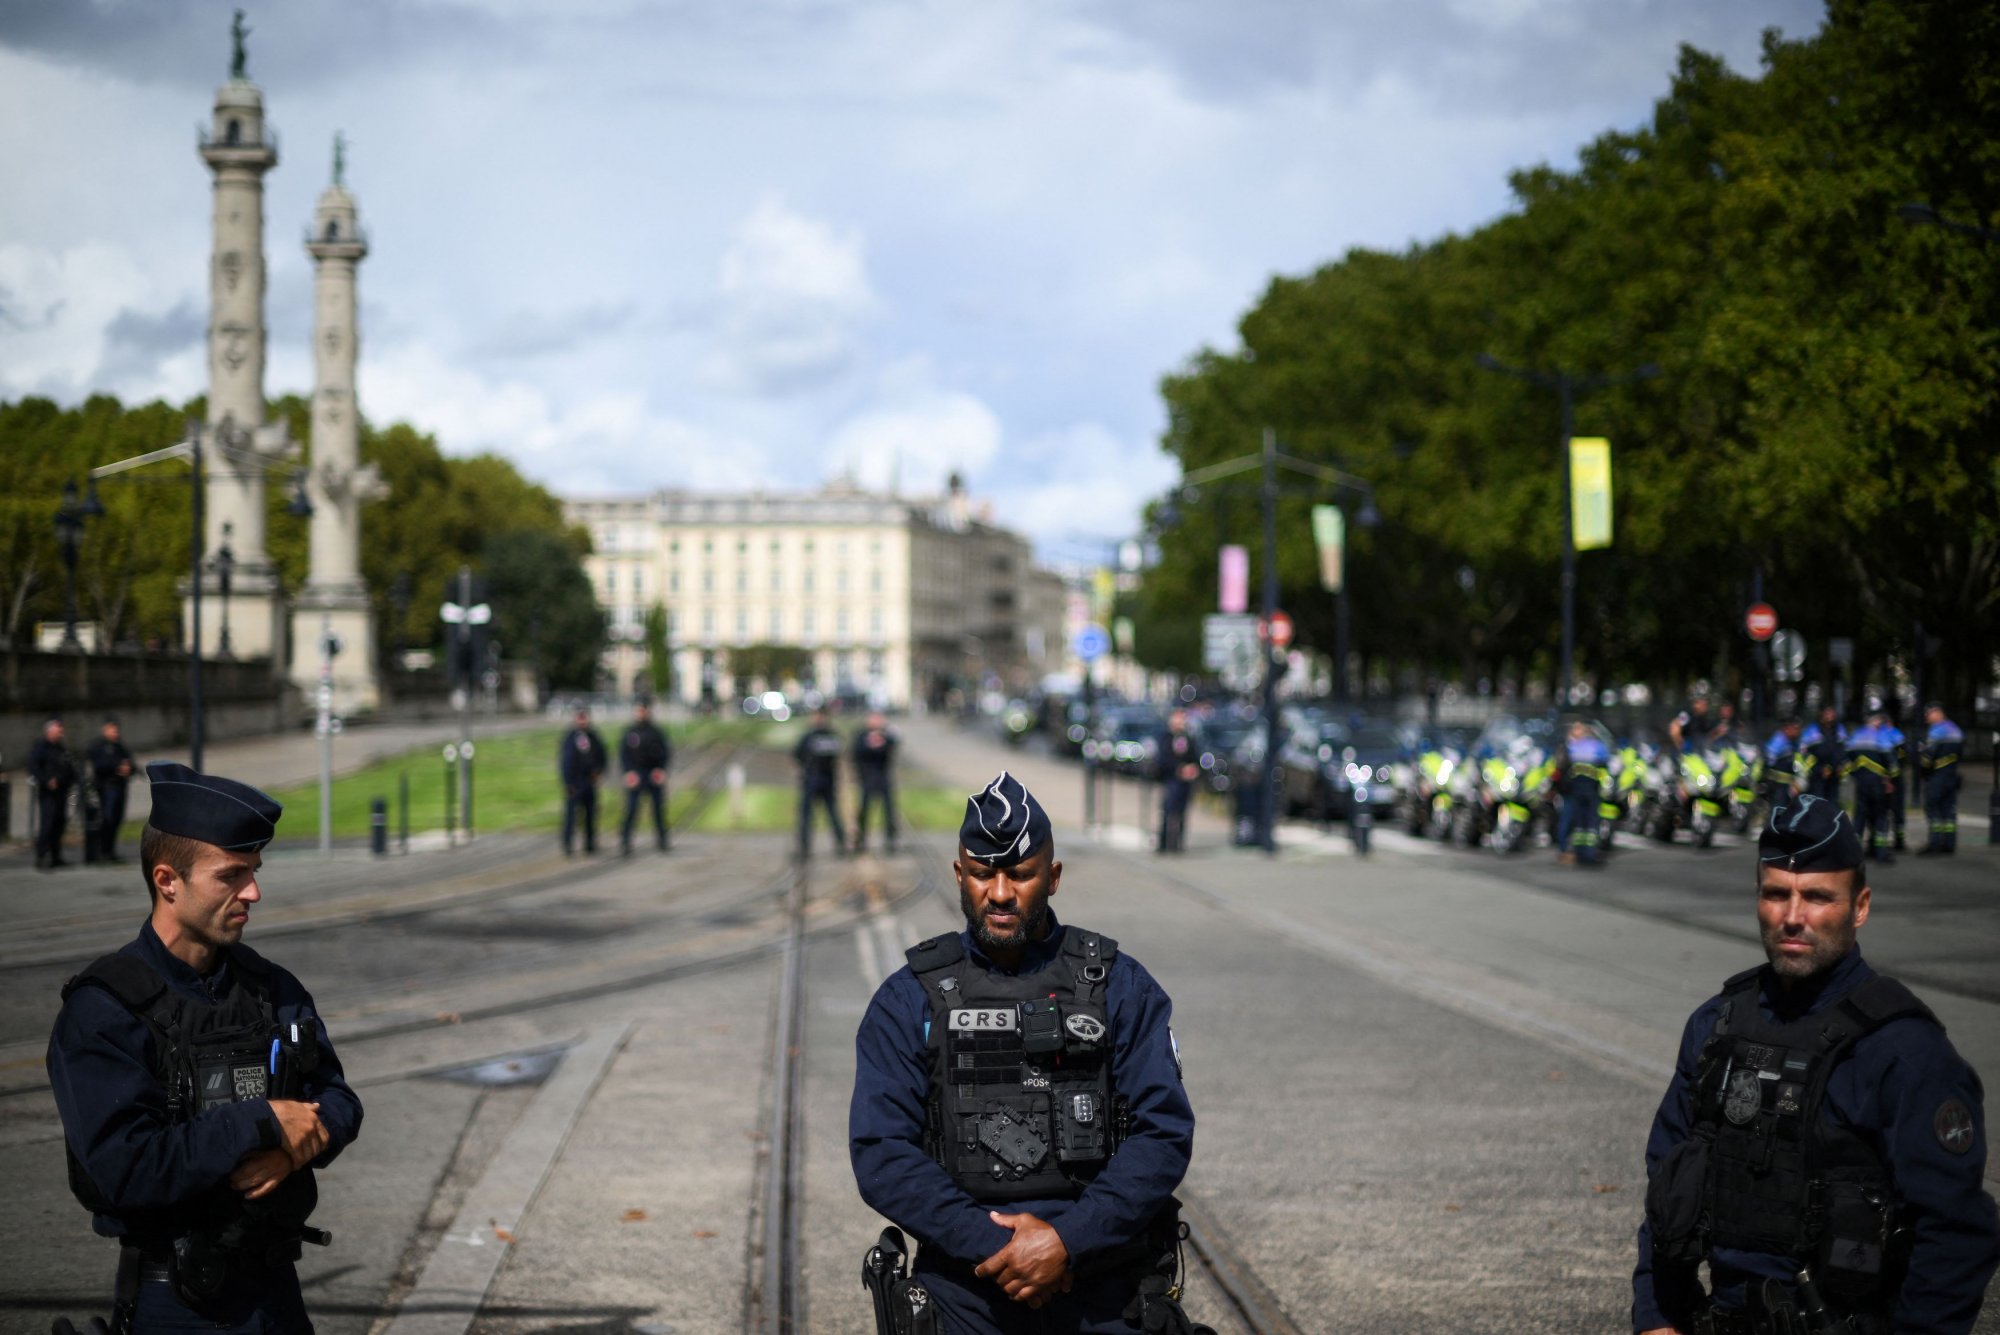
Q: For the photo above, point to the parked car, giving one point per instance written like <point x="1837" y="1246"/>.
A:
<point x="1126" y="737"/>
<point x="1323" y="758"/>
<point x="1219" y="737"/>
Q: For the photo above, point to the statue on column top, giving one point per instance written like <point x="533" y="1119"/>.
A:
<point x="339" y="158"/>
<point x="238" y="60"/>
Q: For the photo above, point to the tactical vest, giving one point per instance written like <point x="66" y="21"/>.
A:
<point x="206" y="1054"/>
<point x="1020" y="1104"/>
<point x="1763" y="1171"/>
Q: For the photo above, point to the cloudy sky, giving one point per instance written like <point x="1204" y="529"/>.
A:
<point x="725" y="243"/>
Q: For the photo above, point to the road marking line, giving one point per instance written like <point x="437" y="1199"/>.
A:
<point x="453" y="1286"/>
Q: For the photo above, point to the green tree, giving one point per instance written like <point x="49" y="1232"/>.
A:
<point x="659" y="655"/>
<point x="544" y="609"/>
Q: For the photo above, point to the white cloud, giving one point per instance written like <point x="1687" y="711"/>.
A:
<point x="57" y="306"/>
<point x="792" y="293"/>
<point x="1080" y="482"/>
<point x="915" y="435"/>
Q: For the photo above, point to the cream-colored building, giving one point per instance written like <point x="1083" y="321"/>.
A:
<point x="898" y="599"/>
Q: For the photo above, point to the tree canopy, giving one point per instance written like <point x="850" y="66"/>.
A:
<point x="440" y="512"/>
<point x="1825" y="415"/>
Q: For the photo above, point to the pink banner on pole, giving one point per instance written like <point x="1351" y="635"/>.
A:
<point x="1235" y="580"/>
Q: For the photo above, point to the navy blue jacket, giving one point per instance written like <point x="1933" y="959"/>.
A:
<point x="1890" y="1088"/>
<point x="581" y="759"/>
<point x="114" y="1109"/>
<point x="885" y="1124"/>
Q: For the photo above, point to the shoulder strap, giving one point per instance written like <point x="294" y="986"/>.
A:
<point x="1867" y="1008"/>
<point x="940" y="952"/>
<point x="1090" y="955"/>
<point x="135" y="983"/>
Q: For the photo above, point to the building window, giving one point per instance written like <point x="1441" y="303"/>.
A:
<point x="875" y="581"/>
<point x="840" y="623"/>
<point x="708" y="621"/>
<point x="673" y="623"/>
<point x="708" y="546"/>
<point x="806" y="625"/>
<point x="638" y="580"/>
<point x="840" y="580"/>
<point x="808" y="580"/>
<point x="675" y="546"/>
<point x="876" y="667"/>
<point x="742" y="626"/>
<point x="777" y="580"/>
<point x="775" y="546"/>
<point x="742" y="580"/>
<point x="777" y="626"/>
<point x="608" y="539"/>
<point x="708" y="581"/>
<point x="742" y="547"/>
<point x="674" y="581"/>
<point x="875" y="624"/>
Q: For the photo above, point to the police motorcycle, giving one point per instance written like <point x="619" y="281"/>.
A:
<point x="1709" y="777"/>
<point x="1515" y="778"/>
<point x="1744" y="775"/>
<point x="1429" y="794"/>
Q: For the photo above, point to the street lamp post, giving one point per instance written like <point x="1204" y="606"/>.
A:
<point x="225" y="566"/>
<point x="70" y="517"/>
<point x="1567" y="386"/>
<point x="1268" y="461"/>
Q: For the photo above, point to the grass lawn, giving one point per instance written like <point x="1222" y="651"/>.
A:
<point x="769" y="807"/>
<point x="514" y="784"/>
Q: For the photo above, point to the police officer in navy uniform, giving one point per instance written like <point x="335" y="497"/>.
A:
<point x="1937" y="758"/>
<point x="111" y="767"/>
<point x="1822" y="1146"/>
<point x="818" y="757"/>
<point x="1872" y="761"/>
<point x="1041" y="1195"/>
<point x="52" y="771"/>
<point x="581" y="763"/>
<point x="1782" y="760"/>
<point x="1180" y="766"/>
<point x="874" y="756"/>
<point x="644" y="756"/>
<point x="1824" y="746"/>
<point x="197" y="1087"/>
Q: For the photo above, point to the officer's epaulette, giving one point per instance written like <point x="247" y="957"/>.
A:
<point x="935" y="953"/>
<point x="1737" y="982"/>
<point x="134" y="982"/>
<point x="1880" y="1000"/>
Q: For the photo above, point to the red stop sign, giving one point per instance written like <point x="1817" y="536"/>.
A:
<point x="1761" y="621"/>
<point x="1277" y="630"/>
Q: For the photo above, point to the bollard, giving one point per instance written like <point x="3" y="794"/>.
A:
<point x="403" y="811"/>
<point x="1089" y="791"/>
<point x="6" y="808"/>
<point x="378" y="826"/>
<point x="1993" y="798"/>
<point x="450" y="794"/>
<point x="465" y="753"/>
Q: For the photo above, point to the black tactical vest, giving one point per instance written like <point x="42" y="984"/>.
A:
<point x="1763" y="1171"/>
<point x="206" y="1054"/>
<point x="1020" y="1104"/>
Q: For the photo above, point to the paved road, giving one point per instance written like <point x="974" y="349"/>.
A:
<point x="1423" y="1079"/>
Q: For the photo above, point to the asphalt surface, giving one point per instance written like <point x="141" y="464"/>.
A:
<point x="1422" y="1079"/>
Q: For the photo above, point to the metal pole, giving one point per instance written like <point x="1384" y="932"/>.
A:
<point x="1267" y="810"/>
<point x="1563" y="388"/>
<point x="196" y="724"/>
<point x="324" y="727"/>
<point x="1340" y="646"/>
<point x="465" y="702"/>
<point x="403" y="812"/>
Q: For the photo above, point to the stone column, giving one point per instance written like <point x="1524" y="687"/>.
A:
<point x="338" y="483"/>
<point x="239" y="148"/>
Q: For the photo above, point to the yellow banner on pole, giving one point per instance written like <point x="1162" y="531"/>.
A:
<point x="1590" y="491"/>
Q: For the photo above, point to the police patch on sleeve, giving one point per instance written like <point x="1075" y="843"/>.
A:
<point x="1953" y="1125"/>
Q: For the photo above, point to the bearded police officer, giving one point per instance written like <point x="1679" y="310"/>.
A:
<point x="1018" y="1108"/>
<point x="1821" y="1146"/>
<point x="197" y="1087"/>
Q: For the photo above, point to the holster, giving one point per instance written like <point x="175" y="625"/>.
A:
<point x="902" y="1305"/>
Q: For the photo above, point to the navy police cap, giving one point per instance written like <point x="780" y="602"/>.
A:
<point x="210" y="809"/>
<point x="1807" y="833"/>
<point x="1004" y="824"/>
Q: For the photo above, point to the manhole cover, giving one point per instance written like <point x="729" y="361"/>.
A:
<point x="521" y="1068"/>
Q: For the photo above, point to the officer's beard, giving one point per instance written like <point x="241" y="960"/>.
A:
<point x="1034" y="925"/>
<point x="1828" y="949"/>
